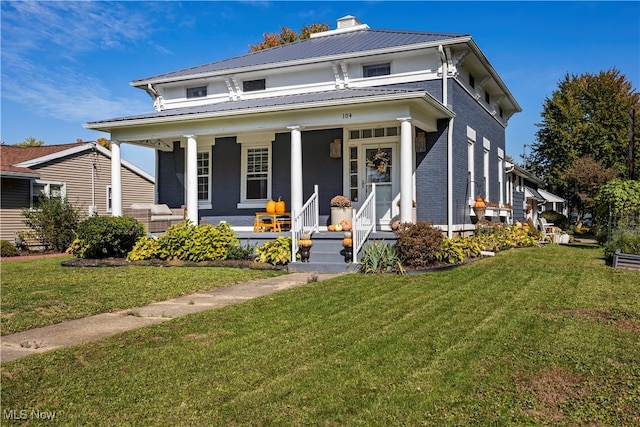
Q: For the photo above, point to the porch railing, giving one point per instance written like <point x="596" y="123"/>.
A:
<point x="364" y="222"/>
<point x="307" y="220"/>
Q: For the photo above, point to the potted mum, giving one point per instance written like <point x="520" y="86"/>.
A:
<point x="341" y="209"/>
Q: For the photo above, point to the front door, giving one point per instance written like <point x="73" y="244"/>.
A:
<point x="375" y="164"/>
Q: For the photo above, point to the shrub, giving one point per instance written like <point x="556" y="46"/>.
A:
<point x="276" y="252"/>
<point x="628" y="243"/>
<point x="381" y="257"/>
<point x="7" y="249"/>
<point x="187" y="242"/>
<point x="496" y="237"/>
<point x="418" y="244"/>
<point x="454" y="251"/>
<point x="106" y="236"/>
<point x="556" y="218"/>
<point x="54" y="221"/>
<point x="241" y="252"/>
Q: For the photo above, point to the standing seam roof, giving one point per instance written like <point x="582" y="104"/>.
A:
<point x="317" y="47"/>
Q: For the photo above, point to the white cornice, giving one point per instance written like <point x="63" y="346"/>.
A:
<point x="107" y="126"/>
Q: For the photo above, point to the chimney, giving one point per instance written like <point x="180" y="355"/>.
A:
<point x="348" y="21"/>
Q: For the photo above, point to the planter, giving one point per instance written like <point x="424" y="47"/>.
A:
<point x="479" y="213"/>
<point x="304" y="253"/>
<point x="339" y="214"/>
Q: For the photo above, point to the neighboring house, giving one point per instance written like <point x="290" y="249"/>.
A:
<point x="527" y="199"/>
<point x="81" y="172"/>
<point x="232" y="134"/>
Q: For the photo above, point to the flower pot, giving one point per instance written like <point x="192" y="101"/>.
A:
<point x="339" y="214"/>
<point x="479" y="213"/>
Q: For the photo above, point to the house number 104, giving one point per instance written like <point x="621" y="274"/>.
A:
<point x="346" y="115"/>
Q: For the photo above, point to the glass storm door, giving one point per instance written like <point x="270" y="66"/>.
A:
<point x="374" y="164"/>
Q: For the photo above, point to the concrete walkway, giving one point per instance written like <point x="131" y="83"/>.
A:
<point x="99" y="326"/>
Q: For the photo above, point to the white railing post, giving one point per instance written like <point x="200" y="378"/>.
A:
<point x="364" y="222"/>
<point x="308" y="218"/>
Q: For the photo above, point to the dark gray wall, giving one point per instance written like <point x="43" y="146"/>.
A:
<point x="170" y="180"/>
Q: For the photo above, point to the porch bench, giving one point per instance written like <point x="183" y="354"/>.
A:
<point x="156" y="217"/>
<point x="622" y="260"/>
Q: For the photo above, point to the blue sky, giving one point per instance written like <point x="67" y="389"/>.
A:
<point x="67" y="63"/>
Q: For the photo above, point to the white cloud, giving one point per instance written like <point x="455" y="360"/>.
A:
<point x="45" y="48"/>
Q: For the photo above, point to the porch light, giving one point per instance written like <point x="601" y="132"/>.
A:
<point x="335" y="149"/>
<point x="421" y="142"/>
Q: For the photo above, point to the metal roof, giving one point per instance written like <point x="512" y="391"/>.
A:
<point x="273" y="102"/>
<point x="347" y="43"/>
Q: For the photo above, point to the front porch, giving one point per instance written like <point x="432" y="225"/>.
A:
<point x="327" y="253"/>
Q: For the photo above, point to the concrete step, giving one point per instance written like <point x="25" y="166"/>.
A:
<point x="322" y="267"/>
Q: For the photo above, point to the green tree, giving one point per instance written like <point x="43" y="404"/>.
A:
<point x="31" y="142"/>
<point x="54" y="221"/>
<point x="585" y="176"/>
<point x="287" y="35"/>
<point x="588" y="115"/>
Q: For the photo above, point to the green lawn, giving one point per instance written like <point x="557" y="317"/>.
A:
<point x="42" y="292"/>
<point x="539" y="336"/>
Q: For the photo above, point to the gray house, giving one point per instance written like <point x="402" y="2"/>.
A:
<point x="416" y="119"/>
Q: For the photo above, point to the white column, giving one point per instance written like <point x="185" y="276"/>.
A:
<point x="116" y="179"/>
<point x="296" y="169"/>
<point x="192" y="179"/>
<point x="406" y="170"/>
<point x="450" y="179"/>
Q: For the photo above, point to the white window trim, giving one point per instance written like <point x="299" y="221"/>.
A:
<point x="471" y="140"/>
<point x="47" y="188"/>
<point x="487" y="184"/>
<point x="254" y="142"/>
<point x="207" y="204"/>
<point x="108" y="198"/>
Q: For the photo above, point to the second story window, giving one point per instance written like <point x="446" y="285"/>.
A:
<point x="253" y="85"/>
<point x="376" y="70"/>
<point x="472" y="81"/>
<point x="196" y="92"/>
<point x="487" y="98"/>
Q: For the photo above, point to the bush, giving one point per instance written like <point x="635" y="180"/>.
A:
<point x="241" y="252"/>
<point x="496" y="237"/>
<point x="7" y="249"/>
<point x="418" y="244"/>
<point x="276" y="252"/>
<point x="54" y="221"/>
<point x="380" y="257"/>
<point x="106" y="236"/>
<point x="456" y="250"/>
<point x="628" y="243"/>
<point x="187" y="242"/>
<point x="556" y="218"/>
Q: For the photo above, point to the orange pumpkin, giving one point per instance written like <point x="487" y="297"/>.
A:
<point x="271" y="207"/>
<point x="347" y="241"/>
<point x="346" y="224"/>
<point x="305" y="242"/>
<point x="281" y="206"/>
<point x="331" y="227"/>
<point x="479" y="203"/>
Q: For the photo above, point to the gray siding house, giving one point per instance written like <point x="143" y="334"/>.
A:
<point x="276" y="123"/>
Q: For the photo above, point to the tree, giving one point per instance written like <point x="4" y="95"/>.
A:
<point x="585" y="176"/>
<point x="588" y="115"/>
<point x="31" y="142"/>
<point x="287" y="35"/>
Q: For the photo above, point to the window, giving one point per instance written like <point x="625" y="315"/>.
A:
<point x="204" y="172"/>
<point x="256" y="171"/>
<point x="196" y="92"/>
<point x="376" y="70"/>
<point x="40" y="189"/>
<point x="472" y="81"/>
<point x="487" y="98"/>
<point x="373" y="133"/>
<point x="253" y="85"/>
<point x="109" y="199"/>
<point x="487" y="147"/>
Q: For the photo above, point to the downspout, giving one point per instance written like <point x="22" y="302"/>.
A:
<point x="445" y="100"/>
